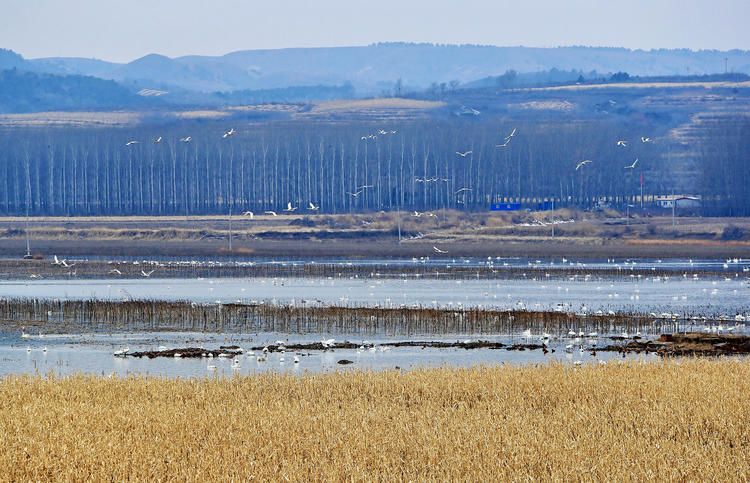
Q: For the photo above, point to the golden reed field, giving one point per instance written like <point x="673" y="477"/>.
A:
<point x="670" y="421"/>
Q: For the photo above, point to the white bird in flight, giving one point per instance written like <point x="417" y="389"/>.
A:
<point x="463" y="155"/>
<point x="131" y="143"/>
<point x="462" y="189"/>
<point x="583" y="163"/>
<point x="289" y="207"/>
<point x="622" y="143"/>
<point x="313" y="207"/>
<point x="507" y="140"/>
<point x="439" y="250"/>
<point x="646" y="140"/>
<point x="511" y="134"/>
<point x="364" y="187"/>
<point x="186" y="139"/>
<point x="147" y="274"/>
<point x="355" y="194"/>
<point x="632" y="166"/>
<point x="157" y="140"/>
<point x="114" y="270"/>
<point x="229" y="133"/>
<point x="271" y="213"/>
<point x="249" y="213"/>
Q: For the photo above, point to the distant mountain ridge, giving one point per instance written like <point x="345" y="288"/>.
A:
<point x="375" y="68"/>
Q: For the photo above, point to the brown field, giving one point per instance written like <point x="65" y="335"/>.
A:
<point x="646" y="85"/>
<point x="380" y="109"/>
<point x="373" y="109"/>
<point x="378" y="103"/>
<point x="679" y="420"/>
<point x="76" y="118"/>
<point x="606" y="234"/>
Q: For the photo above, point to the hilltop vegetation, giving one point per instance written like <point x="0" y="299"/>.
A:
<point x="28" y="92"/>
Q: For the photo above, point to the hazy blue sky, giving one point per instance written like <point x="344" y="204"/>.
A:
<point x="127" y="29"/>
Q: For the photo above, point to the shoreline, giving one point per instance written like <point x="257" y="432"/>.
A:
<point x="385" y="247"/>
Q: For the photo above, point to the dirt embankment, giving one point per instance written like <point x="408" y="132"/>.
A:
<point x="454" y="234"/>
<point x="372" y="248"/>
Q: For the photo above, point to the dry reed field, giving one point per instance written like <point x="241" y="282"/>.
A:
<point x="668" y="421"/>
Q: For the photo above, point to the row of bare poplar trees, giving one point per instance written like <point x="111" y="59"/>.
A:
<point x="343" y="167"/>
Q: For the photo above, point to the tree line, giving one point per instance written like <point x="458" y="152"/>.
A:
<point x="724" y="164"/>
<point x="195" y="168"/>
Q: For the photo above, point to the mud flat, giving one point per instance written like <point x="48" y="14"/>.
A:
<point x="688" y="344"/>
<point x="320" y="346"/>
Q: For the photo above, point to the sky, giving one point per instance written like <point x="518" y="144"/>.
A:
<point x="125" y="30"/>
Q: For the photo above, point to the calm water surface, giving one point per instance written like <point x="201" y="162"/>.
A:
<point x="93" y="354"/>
<point x="709" y="296"/>
<point x="727" y="295"/>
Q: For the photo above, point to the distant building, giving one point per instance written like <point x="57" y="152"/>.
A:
<point x="679" y="202"/>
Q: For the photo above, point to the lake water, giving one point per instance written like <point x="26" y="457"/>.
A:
<point x="728" y="266"/>
<point x="707" y="296"/>
<point x="93" y="354"/>
<point x="702" y="294"/>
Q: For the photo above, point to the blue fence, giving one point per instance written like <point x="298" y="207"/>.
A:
<point x="505" y="206"/>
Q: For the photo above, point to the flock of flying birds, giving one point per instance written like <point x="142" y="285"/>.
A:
<point x="509" y="137"/>
<point x="621" y="143"/>
<point x="186" y="139"/>
<point x="361" y="189"/>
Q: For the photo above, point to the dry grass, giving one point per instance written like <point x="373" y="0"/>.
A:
<point x="679" y="420"/>
<point x="708" y="243"/>
<point x="378" y="103"/>
<point x="64" y="118"/>
<point x="646" y="85"/>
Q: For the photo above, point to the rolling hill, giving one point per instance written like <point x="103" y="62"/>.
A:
<point x="375" y="68"/>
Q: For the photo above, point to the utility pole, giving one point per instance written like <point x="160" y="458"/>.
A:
<point x="641" y="189"/>
<point x="398" y="220"/>
<point x="230" y="227"/>
<point x="28" y="246"/>
<point x="231" y="193"/>
<point x="553" y="217"/>
<point x="28" y="203"/>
